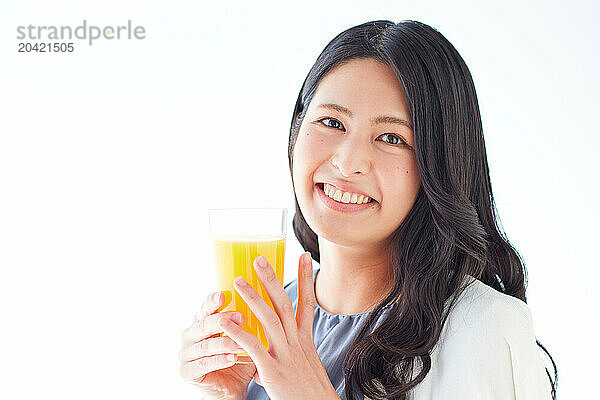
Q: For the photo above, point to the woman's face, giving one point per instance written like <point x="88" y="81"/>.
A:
<point x="376" y="159"/>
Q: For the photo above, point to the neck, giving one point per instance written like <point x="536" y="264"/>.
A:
<point x="352" y="280"/>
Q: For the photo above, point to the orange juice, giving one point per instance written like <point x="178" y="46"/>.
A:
<point x="234" y="256"/>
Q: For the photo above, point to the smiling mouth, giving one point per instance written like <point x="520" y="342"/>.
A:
<point x="321" y="186"/>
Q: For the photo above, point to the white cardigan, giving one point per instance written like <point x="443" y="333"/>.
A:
<point x="486" y="351"/>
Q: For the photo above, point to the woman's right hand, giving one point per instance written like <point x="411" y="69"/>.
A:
<point x="203" y="354"/>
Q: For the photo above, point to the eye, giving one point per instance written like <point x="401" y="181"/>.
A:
<point x="331" y="119"/>
<point x="398" y="139"/>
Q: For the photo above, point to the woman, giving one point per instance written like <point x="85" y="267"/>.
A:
<point x="418" y="295"/>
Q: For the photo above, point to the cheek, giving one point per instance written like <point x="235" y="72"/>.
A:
<point x="411" y="182"/>
<point x="409" y="175"/>
<point x="401" y="182"/>
<point x="309" y="153"/>
<point x="311" y="142"/>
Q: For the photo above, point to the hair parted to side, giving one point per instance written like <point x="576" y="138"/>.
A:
<point x="454" y="212"/>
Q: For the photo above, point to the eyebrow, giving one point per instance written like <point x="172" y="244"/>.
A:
<point x="380" y="119"/>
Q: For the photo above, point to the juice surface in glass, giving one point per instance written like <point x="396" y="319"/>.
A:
<point x="234" y="256"/>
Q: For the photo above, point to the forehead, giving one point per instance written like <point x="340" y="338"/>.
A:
<point x="363" y="85"/>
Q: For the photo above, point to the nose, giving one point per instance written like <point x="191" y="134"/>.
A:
<point x="353" y="155"/>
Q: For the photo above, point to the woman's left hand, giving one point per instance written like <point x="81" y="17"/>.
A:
<point x="291" y="368"/>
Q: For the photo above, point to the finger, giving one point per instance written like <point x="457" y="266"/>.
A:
<point x="209" y="306"/>
<point x="305" y="309"/>
<point x="208" y="327"/>
<point x="279" y="298"/>
<point x="257" y="378"/>
<point x="250" y="343"/>
<point x="209" y="347"/>
<point x="195" y="371"/>
<point x="265" y="314"/>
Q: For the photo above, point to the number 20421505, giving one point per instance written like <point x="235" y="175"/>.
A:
<point x="45" y="47"/>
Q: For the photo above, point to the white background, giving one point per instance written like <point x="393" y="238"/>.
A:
<point x="111" y="155"/>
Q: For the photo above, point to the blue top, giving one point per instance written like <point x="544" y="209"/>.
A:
<point x="333" y="334"/>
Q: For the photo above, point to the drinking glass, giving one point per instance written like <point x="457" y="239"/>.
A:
<point x="239" y="235"/>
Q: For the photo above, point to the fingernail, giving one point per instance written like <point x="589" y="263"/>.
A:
<point x="230" y="357"/>
<point x="239" y="318"/>
<point x="216" y="297"/>
<point x="307" y="259"/>
<point x="241" y="282"/>
<point x="262" y="261"/>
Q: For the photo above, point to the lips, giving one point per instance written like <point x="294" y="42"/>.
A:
<point x="346" y="208"/>
<point x="344" y="188"/>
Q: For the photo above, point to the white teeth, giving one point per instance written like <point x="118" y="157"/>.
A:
<point x="344" y="197"/>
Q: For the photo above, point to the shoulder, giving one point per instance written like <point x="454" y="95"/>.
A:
<point x="488" y="340"/>
<point x="489" y="324"/>
<point x="483" y="307"/>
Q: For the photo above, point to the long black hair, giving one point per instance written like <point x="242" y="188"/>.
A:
<point x="452" y="229"/>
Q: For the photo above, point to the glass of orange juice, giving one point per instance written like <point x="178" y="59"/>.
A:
<point x="239" y="235"/>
